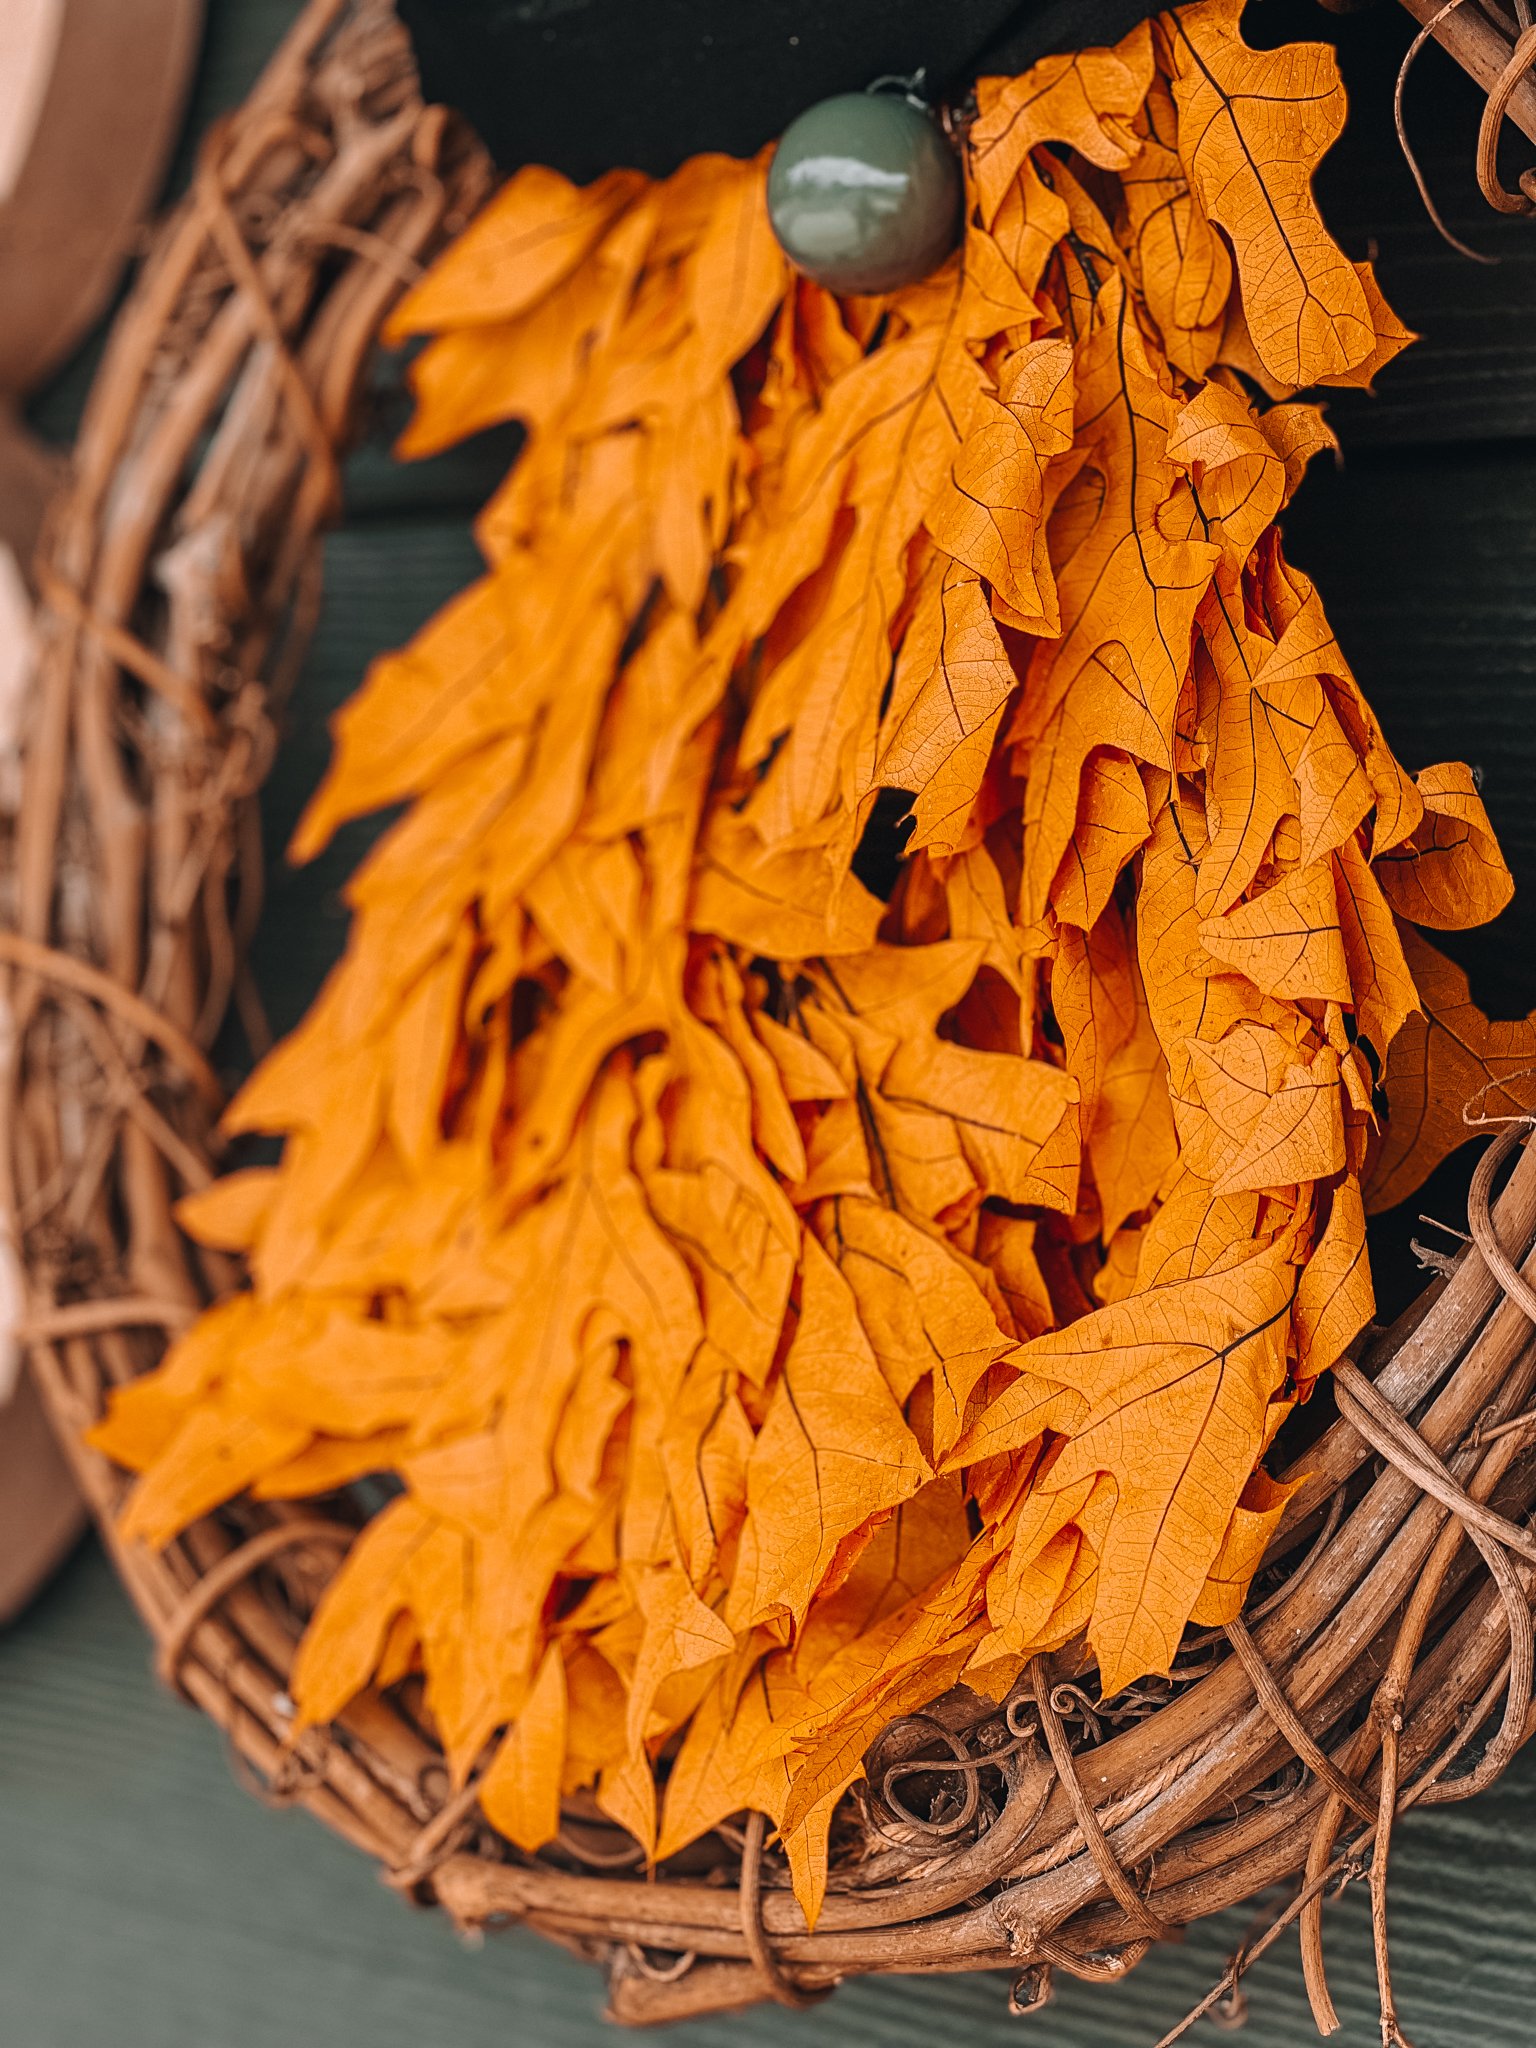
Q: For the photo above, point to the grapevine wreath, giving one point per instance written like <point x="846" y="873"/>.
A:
<point x="812" y="1209"/>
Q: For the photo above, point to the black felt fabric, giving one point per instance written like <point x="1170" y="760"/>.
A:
<point x="585" y="85"/>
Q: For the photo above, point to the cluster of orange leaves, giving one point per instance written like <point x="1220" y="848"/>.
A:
<point x="779" y="1304"/>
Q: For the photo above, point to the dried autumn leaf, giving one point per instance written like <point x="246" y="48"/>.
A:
<point x="1166" y="1395"/>
<point x="1132" y="1141"/>
<point x="923" y="1313"/>
<point x="1271" y="1118"/>
<point x="1184" y="266"/>
<point x="520" y="1790"/>
<point x="1087" y="100"/>
<point x="1449" y="872"/>
<point x="1334" y="1297"/>
<point x="1128" y="595"/>
<point x="1238" y="477"/>
<point x="833" y="1451"/>
<point x="953" y="678"/>
<point x="1384" y="992"/>
<point x="987" y="514"/>
<point x="1252" y="127"/>
<point x="523" y="243"/>
<point x="1286" y="939"/>
<point x="1447" y="1062"/>
<point x="1242" y="1549"/>
<point x="1112" y="823"/>
<point x="1392" y="337"/>
<point x="1195" y="1231"/>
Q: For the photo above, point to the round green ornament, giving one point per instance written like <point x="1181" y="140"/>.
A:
<point x="865" y="193"/>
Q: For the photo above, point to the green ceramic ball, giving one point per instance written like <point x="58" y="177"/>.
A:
<point x="864" y="193"/>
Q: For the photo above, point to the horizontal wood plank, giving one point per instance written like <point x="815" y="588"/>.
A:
<point x="1427" y="569"/>
<point x="381" y="581"/>
<point x="1472" y="374"/>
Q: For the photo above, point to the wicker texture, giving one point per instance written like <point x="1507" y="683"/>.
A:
<point x="1386" y="1657"/>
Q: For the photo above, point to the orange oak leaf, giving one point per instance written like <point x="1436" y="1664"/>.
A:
<point x="1132" y="1141"/>
<point x="346" y="1637"/>
<point x="1242" y="1549"/>
<point x="1270" y="1118"/>
<point x="1384" y="992"/>
<point x="1252" y="126"/>
<point x="1250" y="785"/>
<point x="1391" y="336"/>
<point x="1112" y="823"/>
<point x="1286" y="940"/>
<point x="529" y="237"/>
<point x="1128" y="596"/>
<point x="1449" y="872"/>
<point x="833" y="1451"/>
<point x="1184" y="266"/>
<point x="1238" y="478"/>
<point x="520" y="1790"/>
<point x="923" y="1313"/>
<point x="681" y="1634"/>
<point x="782" y="904"/>
<point x="1087" y="100"/>
<point x="1094" y="992"/>
<point x="953" y="678"/>
<point x="987" y="513"/>
<point x="977" y="902"/>
<point x="1305" y="647"/>
<point x="706" y="1441"/>
<point x="1195" y="1231"/>
<point x="1448" y="1062"/>
<point x="1166" y="1395"/>
<point x="1334" y="1296"/>
<point x="1187" y="993"/>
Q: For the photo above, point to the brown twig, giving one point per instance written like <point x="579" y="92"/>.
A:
<point x="1431" y="28"/>
<point x="1481" y="50"/>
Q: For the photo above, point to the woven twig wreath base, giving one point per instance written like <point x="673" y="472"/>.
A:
<point x="1386" y="1657"/>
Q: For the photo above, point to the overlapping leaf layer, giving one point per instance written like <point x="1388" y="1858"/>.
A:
<point x="795" y="1261"/>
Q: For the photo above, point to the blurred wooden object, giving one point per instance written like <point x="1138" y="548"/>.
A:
<point x="91" y="95"/>
<point x="41" y="1512"/>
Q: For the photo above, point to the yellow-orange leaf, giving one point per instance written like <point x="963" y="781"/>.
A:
<point x="1286" y="940"/>
<point x="520" y="1791"/>
<point x="1242" y="1548"/>
<point x="1252" y="127"/>
<point x="1087" y="100"/>
<point x="1449" y="1059"/>
<point x="1173" y="1387"/>
<point x="1270" y="1118"/>
<point x="1334" y="1297"/>
<point x="1449" y="872"/>
<point x="832" y="1452"/>
<point x="988" y="512"/>
<point x="952" y="681"/>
